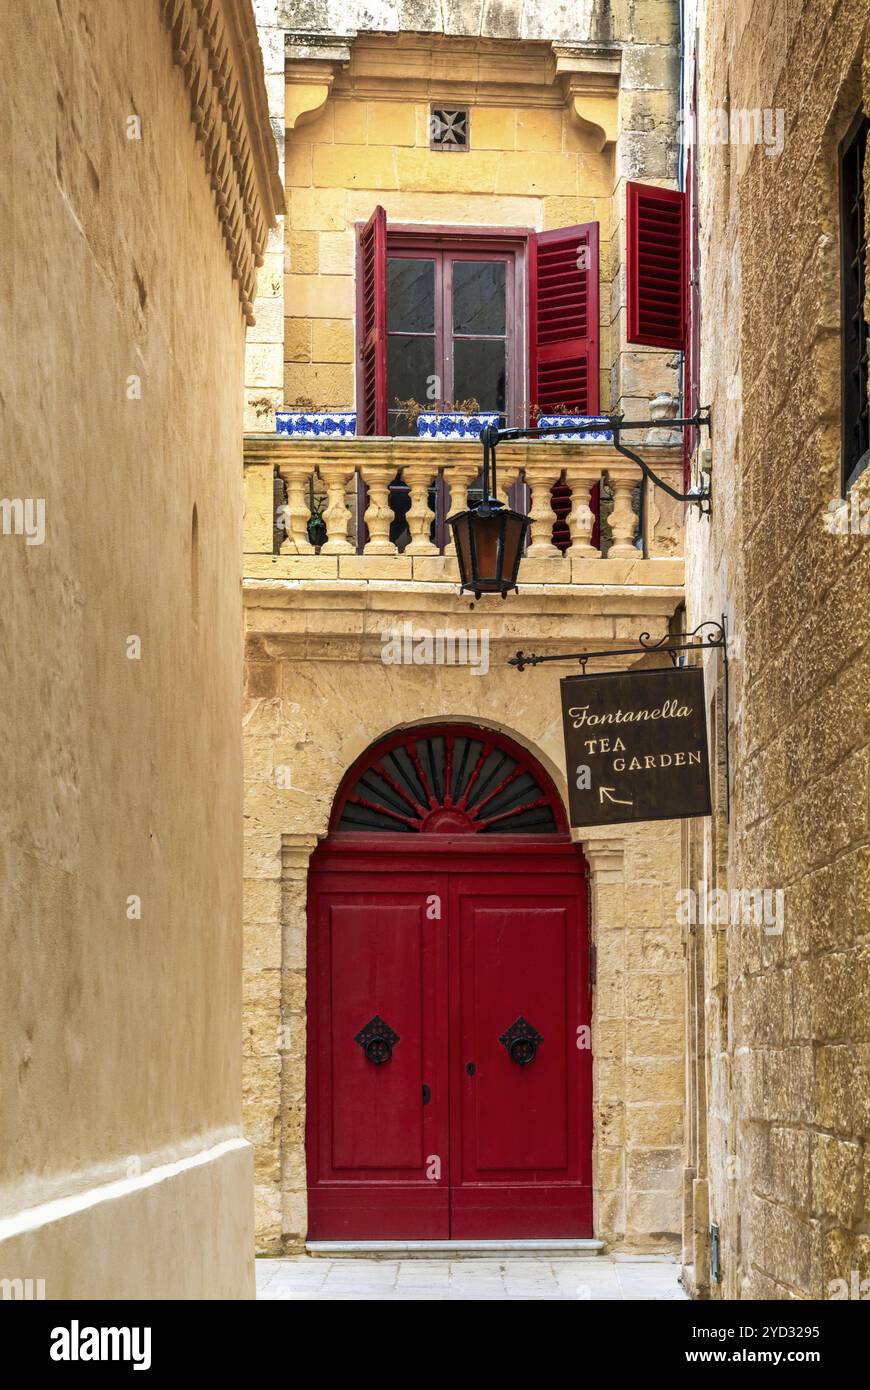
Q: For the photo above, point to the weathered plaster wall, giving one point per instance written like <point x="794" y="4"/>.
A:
<point x="317" y="695"/>
<point x="124" y="1172"/>
<point x="572" y="21"/>
<point x="783" y="1019"/>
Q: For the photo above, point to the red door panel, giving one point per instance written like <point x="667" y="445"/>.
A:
<point x="521" y="1140"/>
<point x="377" y="1151"/>
<point x="516" y="1118"/>
<point x="449" y="945"/>
<point x="376" y="955"/>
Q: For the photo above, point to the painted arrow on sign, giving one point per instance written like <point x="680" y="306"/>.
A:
<point x="605" y="792"/>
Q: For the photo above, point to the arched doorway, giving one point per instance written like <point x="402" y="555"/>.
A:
<point x="449" y="1070"/>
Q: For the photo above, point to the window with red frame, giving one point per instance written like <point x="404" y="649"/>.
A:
<point x="509" y="320"/>
<point x="452" y="328"/>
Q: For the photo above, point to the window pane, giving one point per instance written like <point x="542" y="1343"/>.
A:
<point x="410" y="295"/>
<point x="479" y="371"/>
<point x="410" y="365"/>
<point x="478" y="296"/>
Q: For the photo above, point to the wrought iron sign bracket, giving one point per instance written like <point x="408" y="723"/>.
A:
<point x="707" y="634"/>
<point x="700" y="496"/>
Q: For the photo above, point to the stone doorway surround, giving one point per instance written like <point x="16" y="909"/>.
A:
<point x="637" y="1035"/>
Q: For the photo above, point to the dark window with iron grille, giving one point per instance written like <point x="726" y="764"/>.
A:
<point x="853" y="251"/>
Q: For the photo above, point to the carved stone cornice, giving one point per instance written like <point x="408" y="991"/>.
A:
<point x="308" y="86"/>
<point x="590" y="75"/>
<point x="311" y="62"/>
<point x="215" y="44"/>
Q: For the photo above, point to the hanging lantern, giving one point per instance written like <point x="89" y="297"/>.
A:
<point x="489" y="538"/>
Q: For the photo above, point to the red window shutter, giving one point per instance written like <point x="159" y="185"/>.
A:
<point x="656" y="265"/>
<point x="692" y="359"/>
<point x="563" y="319"/>
<point x="372" y="326"/>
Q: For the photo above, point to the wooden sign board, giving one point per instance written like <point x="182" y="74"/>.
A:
<point x="636" y="746"/>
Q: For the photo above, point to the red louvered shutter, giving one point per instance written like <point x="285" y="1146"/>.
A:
<point x="563" y="319"/>
<point x="692" y="359"/>
<point x="372" y="326"/>
<point x="656" y="265"/>
<point x="563" y="337"/>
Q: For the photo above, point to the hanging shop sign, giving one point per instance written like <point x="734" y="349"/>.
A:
<point x="636" y="746"/>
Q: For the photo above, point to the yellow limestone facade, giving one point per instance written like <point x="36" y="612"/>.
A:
<point x="559" y="119"/>
<point x="564" y="108"/>
<point x="778" y="1010"/>
<point x="138" y="186"/>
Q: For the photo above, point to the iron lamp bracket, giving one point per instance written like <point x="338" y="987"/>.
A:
<point x="700" y="496"/>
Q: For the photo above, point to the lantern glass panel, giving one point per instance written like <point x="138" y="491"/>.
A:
<point x="487" y="547"/>
<point x="515" y="527"/>
<point x="461" y="526"/>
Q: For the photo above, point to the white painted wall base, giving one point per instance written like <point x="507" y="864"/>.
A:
<point x="183" y="1229"/>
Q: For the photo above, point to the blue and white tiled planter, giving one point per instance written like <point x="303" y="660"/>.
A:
<point x="468" y="427"/>
<point x="316" y="424"/>
<point x="602" y="436"/>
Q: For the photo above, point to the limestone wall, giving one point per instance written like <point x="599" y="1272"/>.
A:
<point x="124" y="1173"/>
<point x="566" y="104"/>
<point x="782" y="1017"/>
<point x="317" y="695"/>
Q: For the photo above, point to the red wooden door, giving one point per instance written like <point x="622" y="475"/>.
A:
<point x="520" y="1063"/>
<point x="377" y="1141"/>
<point x="447" y="943"/>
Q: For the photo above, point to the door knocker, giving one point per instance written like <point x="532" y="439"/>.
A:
<point x="377" y="1040"/>
<point x="522" y="1042"/>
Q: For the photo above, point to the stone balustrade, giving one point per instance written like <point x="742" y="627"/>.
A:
<point x="351" y="480"/>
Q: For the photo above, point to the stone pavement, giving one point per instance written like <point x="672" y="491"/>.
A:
<point x="525" y="1277"/>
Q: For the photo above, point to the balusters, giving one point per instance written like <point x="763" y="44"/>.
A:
<point x="459" y="477"/>
<point x="379" y="514"/>
<point x="623" y="520"/>
<point x="419" y="518"/>
<point x="506" y="476"/>
<point x="333" y="471"/>
<point x="336" y="513"/>
<point x="540" y="478"/>
<point x="581" y="518"/>
<point x="297" y="476"/>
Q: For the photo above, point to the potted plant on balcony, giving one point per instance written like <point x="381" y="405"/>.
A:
<point x="563" y="415"/>
<point x="316" y="526"/>
<point x="304" y="420"/>
<point x="447" y="419"/>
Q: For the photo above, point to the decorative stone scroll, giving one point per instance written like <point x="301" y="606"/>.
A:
<point x="226" y="89"/>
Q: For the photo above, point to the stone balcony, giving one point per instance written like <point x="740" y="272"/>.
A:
<point x="357" y="582"/>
